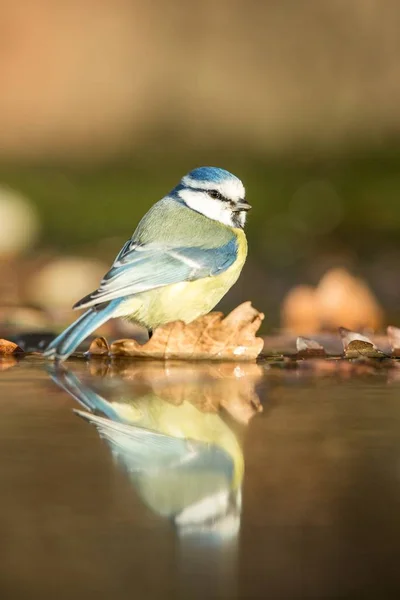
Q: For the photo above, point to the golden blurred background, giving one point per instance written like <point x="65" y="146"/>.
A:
<point x="105" y="104"/>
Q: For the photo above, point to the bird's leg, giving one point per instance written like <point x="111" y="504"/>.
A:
<point x="150" y="333"/>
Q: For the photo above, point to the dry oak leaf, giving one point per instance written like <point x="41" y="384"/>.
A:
<point x="355" y="345"/>
<point x="307" y="348"/>
<point x="99" y="347"/>
<point x="211" y="337"/>
<point x="7" y="348"/>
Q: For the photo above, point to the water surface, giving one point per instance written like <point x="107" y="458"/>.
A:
<point x="298" y="501"/>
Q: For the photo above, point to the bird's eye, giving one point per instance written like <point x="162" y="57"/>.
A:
<point x="215" y="194"/>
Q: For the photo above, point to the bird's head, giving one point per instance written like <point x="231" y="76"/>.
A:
<point x="215" y="193"/>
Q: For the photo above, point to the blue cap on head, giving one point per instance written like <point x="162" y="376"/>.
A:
<point x="213" y="174"/>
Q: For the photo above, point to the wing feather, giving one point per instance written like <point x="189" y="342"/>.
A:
<point x="142" y="267"/>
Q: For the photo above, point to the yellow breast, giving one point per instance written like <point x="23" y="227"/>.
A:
<point x="187" y="300"/>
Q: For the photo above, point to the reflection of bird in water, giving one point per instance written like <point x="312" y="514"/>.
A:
<point x="186" y="464"/>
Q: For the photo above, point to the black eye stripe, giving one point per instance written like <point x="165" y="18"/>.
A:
<point x="215" y="194"/>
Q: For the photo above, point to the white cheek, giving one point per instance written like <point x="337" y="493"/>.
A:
<point x="242" y="218"/>
<point x="202" y="203"/>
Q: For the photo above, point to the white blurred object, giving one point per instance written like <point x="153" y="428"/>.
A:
<point x="63" y="281"/>
<point x="19" y="222"/>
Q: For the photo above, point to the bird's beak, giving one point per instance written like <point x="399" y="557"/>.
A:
<point x="242" y="205"/>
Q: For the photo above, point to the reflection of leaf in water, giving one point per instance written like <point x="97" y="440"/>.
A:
<point x="7" y="362"/>
<point x="212" y="336"/>
<point x="208" y="386"/>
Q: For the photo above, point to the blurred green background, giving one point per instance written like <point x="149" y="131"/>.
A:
<point x="104" y="105"/>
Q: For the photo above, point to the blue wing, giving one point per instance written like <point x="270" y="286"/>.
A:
<point x="141" y="267"/>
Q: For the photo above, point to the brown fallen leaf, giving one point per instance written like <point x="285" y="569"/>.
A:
<point x="307" y="348"/>
<point x="356" y="345"/>
<point x="7" y="348"/>
<point x="349" y="336"/>
<point x="211" y="337"/>
<point x="358" y="348"/>
<point x="99" y="347"/>
<point x="394" y="339"/>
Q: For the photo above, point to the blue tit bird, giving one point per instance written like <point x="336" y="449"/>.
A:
<point x="186" y="465"/>
<point x="186" y="253"/>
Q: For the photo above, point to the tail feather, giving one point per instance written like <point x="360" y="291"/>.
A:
<point x="68" y="340"/>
